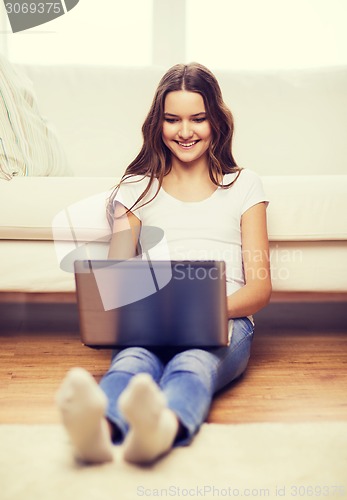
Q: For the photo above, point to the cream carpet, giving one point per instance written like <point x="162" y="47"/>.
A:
<point x="225" y="461"/>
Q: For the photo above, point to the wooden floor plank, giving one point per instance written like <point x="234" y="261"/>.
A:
<point x="292" y="376"/>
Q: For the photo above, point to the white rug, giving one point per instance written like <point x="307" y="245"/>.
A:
<point x="224" y="461"/>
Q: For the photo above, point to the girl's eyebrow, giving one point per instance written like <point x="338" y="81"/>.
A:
<point x="195" y="115"/>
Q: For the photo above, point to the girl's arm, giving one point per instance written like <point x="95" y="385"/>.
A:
<point x="256" y="292"/>
<point x="125" y="234"/>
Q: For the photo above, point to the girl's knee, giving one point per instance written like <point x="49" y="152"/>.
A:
<point x="195" y="362"/>
<point x="136" y="360"/>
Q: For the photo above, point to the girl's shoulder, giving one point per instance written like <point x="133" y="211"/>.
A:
<point x="134" y="184"/>
<point x="131" y="188"/>
<point x="242" y="178"/>
<point x="135" y="180"/>
<point x="247" y="190"/>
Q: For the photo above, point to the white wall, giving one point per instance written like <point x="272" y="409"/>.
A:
<point x="223" y="34"/>
<point x="258" y="34"/>
<point x="109" y="32"/>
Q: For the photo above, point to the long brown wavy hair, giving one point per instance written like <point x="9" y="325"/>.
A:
<point x="154" y="159"/>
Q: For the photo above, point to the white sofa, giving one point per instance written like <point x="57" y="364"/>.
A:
<point x="290" y="127"/>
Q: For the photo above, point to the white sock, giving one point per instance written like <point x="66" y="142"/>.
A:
<point x="82" y="406"/>
<point x="153" y="426"/>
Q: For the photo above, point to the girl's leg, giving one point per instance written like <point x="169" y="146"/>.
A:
<point x="188" y="382"/>
<point x="193" y="376"/>
<point x="153" y="426"/>
<point x="125" y="364"/>
<point x="137" y="407"/>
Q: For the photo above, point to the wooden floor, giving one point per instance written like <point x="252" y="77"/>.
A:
<point x="293" y="376"/>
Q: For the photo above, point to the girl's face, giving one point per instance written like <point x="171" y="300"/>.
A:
<point x="186" y="129"/>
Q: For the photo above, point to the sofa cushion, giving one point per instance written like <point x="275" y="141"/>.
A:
<point x="294" y="267"/>
<point x="32" y="203"/>
<point x="302" y="208"/>
<point x="307" y="207"/>
<point x="28" y="145"/>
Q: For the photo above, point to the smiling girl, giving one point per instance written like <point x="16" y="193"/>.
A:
<point x="186" y="182"/>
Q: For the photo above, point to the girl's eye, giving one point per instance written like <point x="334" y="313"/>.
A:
<point x="195" y="120"/>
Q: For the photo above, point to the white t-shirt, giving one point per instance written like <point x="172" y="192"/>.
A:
<point x="205" y="230"/>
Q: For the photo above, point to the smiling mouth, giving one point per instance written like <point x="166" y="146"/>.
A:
<point x="187" y="144"/>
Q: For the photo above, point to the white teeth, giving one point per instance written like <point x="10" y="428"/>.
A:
<point x="187" y="145"/>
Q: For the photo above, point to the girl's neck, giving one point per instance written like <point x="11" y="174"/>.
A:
<point x="194" y="171"/>
<point x="189" y="182"/>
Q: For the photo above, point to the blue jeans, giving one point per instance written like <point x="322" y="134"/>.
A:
<point x="188" y="377"/>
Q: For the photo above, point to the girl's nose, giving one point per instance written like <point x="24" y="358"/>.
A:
<point x="185" y="131"/>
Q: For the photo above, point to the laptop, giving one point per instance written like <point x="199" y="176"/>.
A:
<point x="140" y="302"/>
